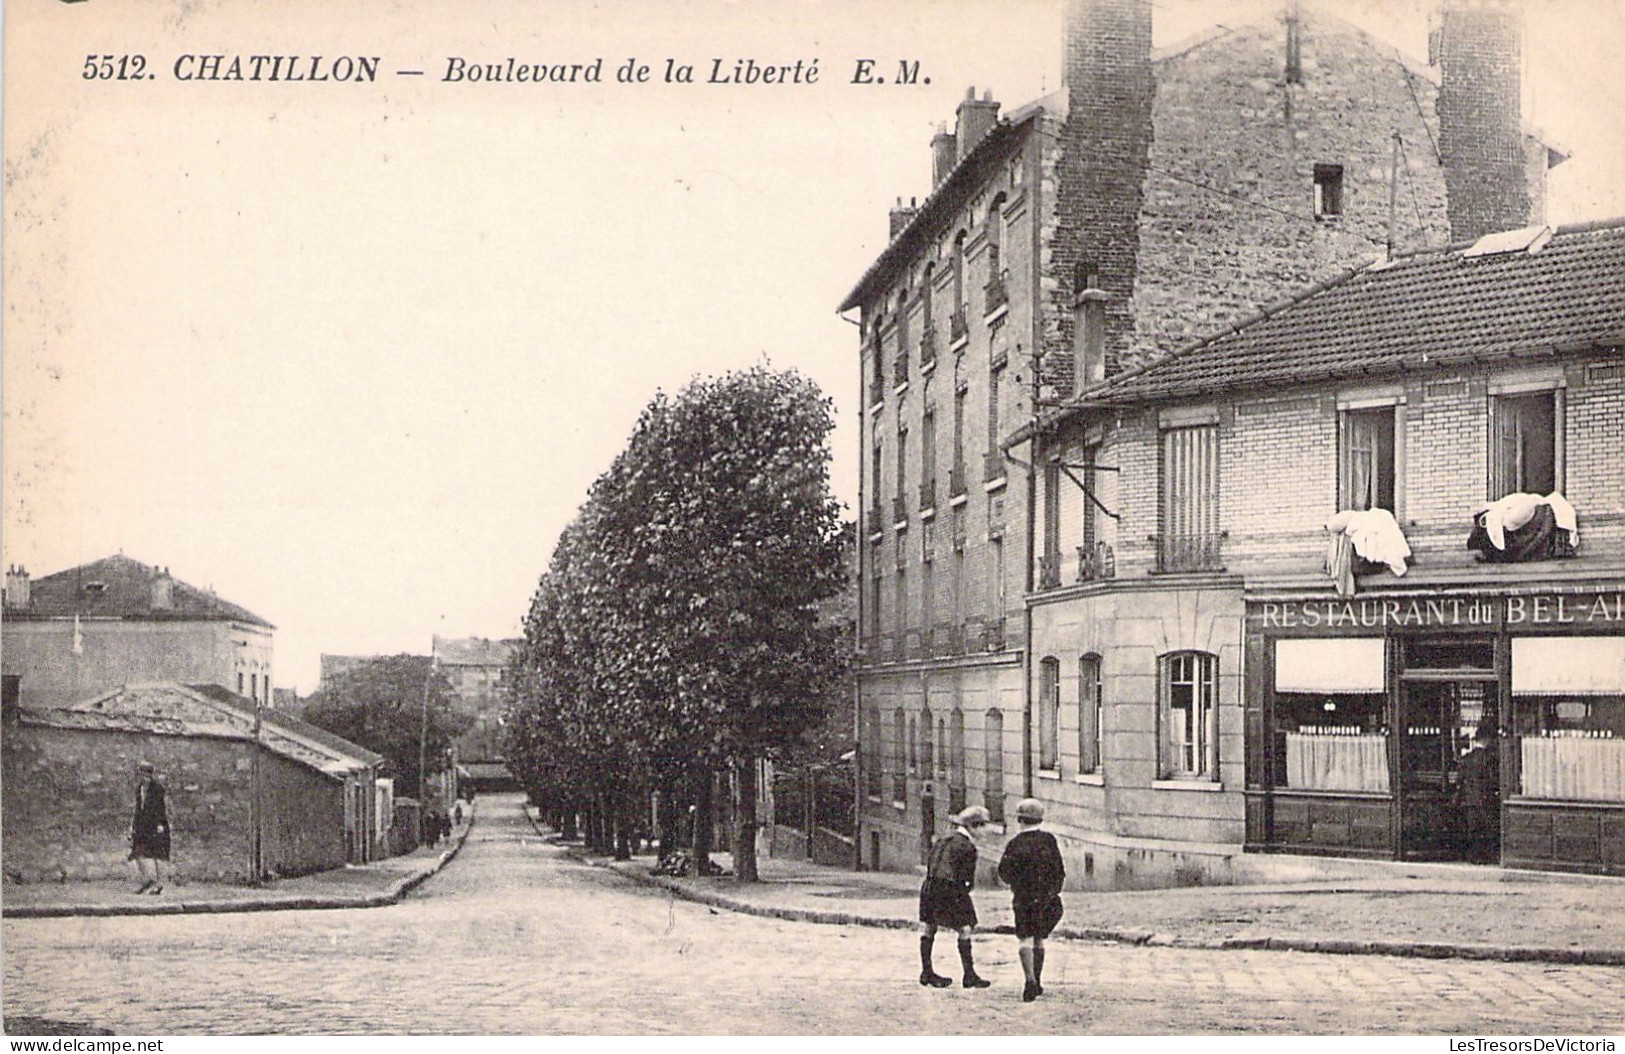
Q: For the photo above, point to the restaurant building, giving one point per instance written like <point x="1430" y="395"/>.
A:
<point x="1369" y="588"/>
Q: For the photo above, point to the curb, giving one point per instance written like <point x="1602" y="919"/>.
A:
<point x="1324" y="946"/>
<point x="392" y="894"/>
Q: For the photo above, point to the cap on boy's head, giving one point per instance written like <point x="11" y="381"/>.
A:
<point x="974" y="816"/>
<point x="1030" y="810"/>
<point x="146" y="766"/>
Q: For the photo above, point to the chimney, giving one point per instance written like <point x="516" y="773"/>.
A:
<point x="163" y="590"/>
<point x="1105" y="153"/>
<point x="1480" y="52"/>
<point x="17" y="588"/>
<point x="902" y="215"/>
<point x="944" y="154"/>
<point x="976" y="118"/>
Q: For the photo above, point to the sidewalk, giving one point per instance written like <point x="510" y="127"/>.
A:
<point x="360" y="886"/>
<point x="1433" y="911"/>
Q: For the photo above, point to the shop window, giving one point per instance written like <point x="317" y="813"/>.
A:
<point x="1524" y="446"/>
<point x="1568" y="712"/>
<point x="1188" y="716"/>
<point x="1090" y="707"/>
<point x="1049" y="714"/>
<point x="1189" y="507"/>
<point x="1367" y="476"/>
<point x="1330" y="726"/>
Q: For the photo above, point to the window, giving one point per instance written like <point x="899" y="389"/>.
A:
<point x="996" y="293"/>
<point x="1524" y="451"/>
<point x="239" y="682"/>
<point x="1328" y="191"/>
<point x="899" y="779"/>
<point x="957" y="485"/>
<point x="913" y="744"/>
<point x="928" y="459"/>
<point x="1189" y="485"/>
<point x="957" y="328"/>
<point x="875" y="627"/>
<point x="928" y="604"/>
<point x="253" y="686"/>
<point x="956" y="761"/>
<point x="1089" y="713"/>
<point x="902" y="461"/>
<point x="872" y="771"/>
<point x="1189" y="716"/>
<point x="928" y="756"/>
<point x="1366" y="474"/>
<point x="993" y="753"/>
<point x="1049" y="714"/>
<point x="1568" y="710"/>
<point x="942" y="748"/>
<point x="1049" y="567"/>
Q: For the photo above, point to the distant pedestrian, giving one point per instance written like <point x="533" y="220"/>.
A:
<point x="945" y="897"/>
<point x="149" y="830"/>
<point x="445" y="827"/>
<point x="431" y="829"/>
<point x="457" y="811"/>
<point x="1033" y="870"/>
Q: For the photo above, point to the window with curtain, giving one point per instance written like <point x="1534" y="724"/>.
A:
<point x="1188" y="716"/>
<point x="1367" y="476"/>
<point x="1089" y="713"/>
<point x="1049" y="714"/>
<point x="1523" y="444"/>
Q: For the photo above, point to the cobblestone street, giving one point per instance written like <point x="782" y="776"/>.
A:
<point x="514" y="938"/>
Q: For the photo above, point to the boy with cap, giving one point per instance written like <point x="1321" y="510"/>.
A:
<point x="945" y="896"/>
<point x="1033" y="870"/>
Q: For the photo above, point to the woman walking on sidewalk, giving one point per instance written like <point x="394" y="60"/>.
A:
<point x="149" y="830"/>
<point x="1033" y="870"/>
<point x="945" y="897"/>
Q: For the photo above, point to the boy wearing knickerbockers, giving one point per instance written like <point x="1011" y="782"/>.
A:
<point x="1032" y="868"/>
<point x="945" y="897"/>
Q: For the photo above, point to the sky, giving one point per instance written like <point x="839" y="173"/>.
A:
<point x="351" y="354"/>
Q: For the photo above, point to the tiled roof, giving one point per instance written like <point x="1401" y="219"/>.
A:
<point x="1421" y="312"/>
<point x="119" y="587"/>
<point x="288" y="723"/>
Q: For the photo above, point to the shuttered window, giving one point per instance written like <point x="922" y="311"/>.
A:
<point x="1189" y="484"/>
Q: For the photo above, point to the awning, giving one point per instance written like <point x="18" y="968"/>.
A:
<point x="1347" y="665"/>
<point x="1568" y="665"/>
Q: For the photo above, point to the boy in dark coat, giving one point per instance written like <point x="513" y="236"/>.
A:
<point x="1033" y="870"/>
<point x="945" y="897"/>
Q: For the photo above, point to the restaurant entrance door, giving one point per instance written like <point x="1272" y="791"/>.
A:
<point x="1447" y="789"/>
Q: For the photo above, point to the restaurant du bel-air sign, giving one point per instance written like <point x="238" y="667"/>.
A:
<point x="1524" y="611"/>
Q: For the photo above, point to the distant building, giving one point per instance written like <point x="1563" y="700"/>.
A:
<point x="335" y="666"/>
<point x="118" y="621"/>
<point x="477" y="669"/>
<point x="68" y="785"/>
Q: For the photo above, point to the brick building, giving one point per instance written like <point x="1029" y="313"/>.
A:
<point x="1221" y="689"/>
<point x="118" y="621"/>
<point x="1154" y="198"/>
<point x="68" y="783"/>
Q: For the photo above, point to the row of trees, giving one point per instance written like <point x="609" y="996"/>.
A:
<point x="676" y="633"/>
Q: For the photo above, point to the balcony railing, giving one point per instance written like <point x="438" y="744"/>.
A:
<point x="957" y="329"/>
<point x="1049" y="571"/>
<point x="997" y="294"/>
<point x="899" y="510"/>
<point x="1096" y="562"/>
<point x="992" y="466"/>
<point x="956" y="481"/>
<point x="995" y="634"/>
<point x="928" y="346"/>
<point x="928" y="493"/>
<point x="913" y="645"/>
<point x="928" y="643"/>
<point x="942" y="639"/>
<point x="1189" y="552"/>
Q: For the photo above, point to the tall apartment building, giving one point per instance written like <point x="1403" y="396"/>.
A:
<point x="1153" y="199"/>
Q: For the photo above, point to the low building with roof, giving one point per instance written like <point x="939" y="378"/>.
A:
<point x="251" y="793"/>
<point x="119" y="621"/>
<point x="1214" y="664"/>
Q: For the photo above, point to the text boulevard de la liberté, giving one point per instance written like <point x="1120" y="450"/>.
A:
<point x="458" y="69"/>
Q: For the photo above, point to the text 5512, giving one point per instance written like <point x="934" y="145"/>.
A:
<point x="116" y="68"/>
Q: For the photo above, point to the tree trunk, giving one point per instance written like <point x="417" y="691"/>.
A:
<point x="567" y="826"/>
<point x="745" y="821"/>
<point x="702" y="823"/>
<point x="623" y="809"/>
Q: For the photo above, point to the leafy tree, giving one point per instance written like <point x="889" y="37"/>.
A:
<point x="379" y="705"/>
